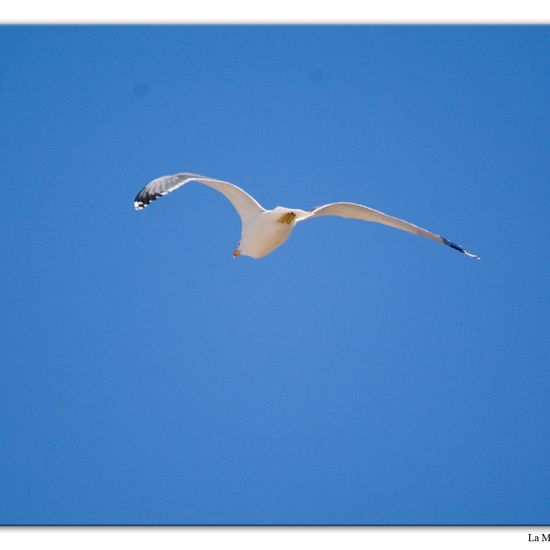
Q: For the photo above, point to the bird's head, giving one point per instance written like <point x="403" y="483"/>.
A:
<point x="244" y="250"/>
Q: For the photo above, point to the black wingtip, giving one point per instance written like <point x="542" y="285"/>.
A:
<point x="144" y="199"/>
<point x="459" y="248"/>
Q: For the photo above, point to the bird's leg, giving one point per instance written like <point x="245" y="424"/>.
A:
<point x="287" y="218"/>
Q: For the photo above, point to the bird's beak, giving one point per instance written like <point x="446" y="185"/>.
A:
<point x="236" y="253"/>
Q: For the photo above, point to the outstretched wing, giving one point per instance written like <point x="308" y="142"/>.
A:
<point x="245" y="205"/>
<point x="360" y="212"/>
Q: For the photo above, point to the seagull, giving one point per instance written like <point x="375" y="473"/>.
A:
<point x="265" y="230"/>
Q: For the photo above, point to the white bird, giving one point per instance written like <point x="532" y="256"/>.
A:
<point x="265" y="230"/>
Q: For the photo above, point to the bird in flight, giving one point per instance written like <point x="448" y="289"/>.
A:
<point x="265" y="230"/>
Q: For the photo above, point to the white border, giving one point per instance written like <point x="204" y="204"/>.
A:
<point x="280" y="11"/>
<point x="267" y="538"/>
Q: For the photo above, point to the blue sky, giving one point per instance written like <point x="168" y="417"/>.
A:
<point x="357" y="375"/>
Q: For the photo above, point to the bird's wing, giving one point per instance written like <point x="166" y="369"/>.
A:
<point x="245" y="205"/>
<point x="360" y="212"/>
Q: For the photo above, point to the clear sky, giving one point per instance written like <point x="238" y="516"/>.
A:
<point x="357" y="375"/>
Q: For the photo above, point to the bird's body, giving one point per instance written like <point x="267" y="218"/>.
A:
<point x="265" y="230"/>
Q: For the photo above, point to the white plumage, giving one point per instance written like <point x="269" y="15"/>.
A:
<point x="265" y="230"/>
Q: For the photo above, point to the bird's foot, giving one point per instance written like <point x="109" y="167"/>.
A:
<point x="287" y="218"/>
